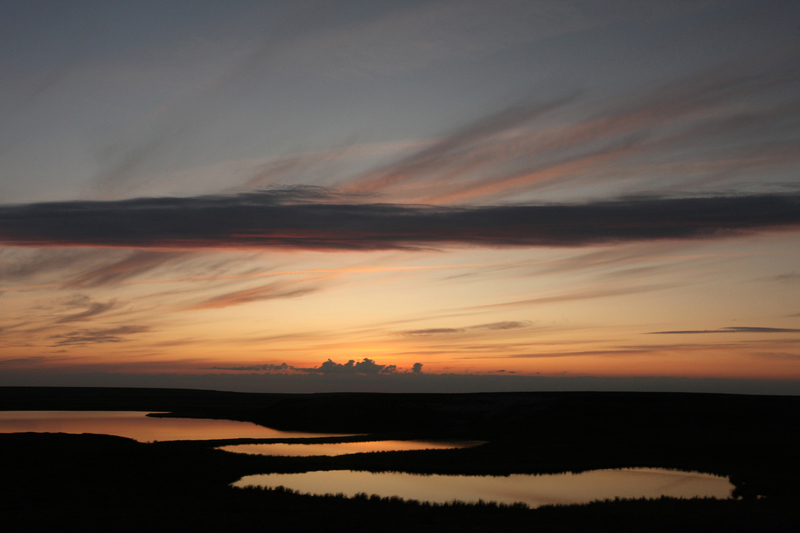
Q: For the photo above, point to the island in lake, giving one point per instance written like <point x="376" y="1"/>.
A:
<point x="92" y="481"/>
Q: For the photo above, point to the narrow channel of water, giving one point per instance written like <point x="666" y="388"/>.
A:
<point x="343" y="448"/>
<point x="532" y="490"/>
<point x="137" y="425"/>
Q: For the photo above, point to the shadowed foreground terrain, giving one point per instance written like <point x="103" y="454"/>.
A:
<point x="104" y="482"/>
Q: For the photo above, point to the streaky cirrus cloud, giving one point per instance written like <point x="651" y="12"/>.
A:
<point x="431" y="331"/>
<point x="94" y="309"/>
<point x="254" y="368"/>
<point x="132" y="265"/>
<point x="701" y="129"/>
<point x="740" y="329"/>
<point x="293" y="220"/>
<point x="504" y="325"/>
<point x="270" y="291"/>
<point x="96" y="336"/>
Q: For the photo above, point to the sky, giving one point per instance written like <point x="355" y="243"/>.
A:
<point x="410" y="196"/>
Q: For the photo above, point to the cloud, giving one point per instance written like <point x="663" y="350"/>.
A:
<point x="251" y="368"/>
<point x="271" y="219"/>
<point x="367" y="366"/>
<point x="32" y="360"/>
<point x="405" y="37"/>
<point x="704" y="128"/>
<point x="432" y="331"/>
<point x="584" y="294"/>
<point x="271" y="291"/>
<point x="466" y="149"/>
<point x="508" y="324"/>
<point x="133" y="264"/>
<point x="781" y="356"/>
<point x="788" y="277"/>
<point x="18" y="264"/>
<point x="96" y="336"/>
<point x="701" y="129"/>
<point x="742" y="329"/>
<point x="95" y="308"/>
<point x="548" y="355"/>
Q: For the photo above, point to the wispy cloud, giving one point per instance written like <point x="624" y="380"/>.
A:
<point x="788" y="277"/>
<point x="699" y="130"/>
<point x="456" y="154"/>
<point x="504" y="325"/>
<point x="432" y="331"/>
<point x="583" y="294"/>
<point x="17" y="264"/>
<point x="134" y="264"/>
<point x="94" y="309"/>
<point x="501" y="326"/>
<point x="271" y="291"/>
<point x="256" y="368"/>
<point x="739" y="329"/>
<point x="96" y="336"/>
<point x="269" y="220"/>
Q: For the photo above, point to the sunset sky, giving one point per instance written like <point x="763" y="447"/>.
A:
<point x="453" y="195"/>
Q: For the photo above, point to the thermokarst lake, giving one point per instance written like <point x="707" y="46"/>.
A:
<point x="528" y="489"/>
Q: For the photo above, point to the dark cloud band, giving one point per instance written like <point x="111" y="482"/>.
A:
<point x="316" y="222"/>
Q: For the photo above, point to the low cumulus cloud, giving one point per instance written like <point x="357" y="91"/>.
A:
<point x="277" y="219"/>
<point x="365" y="366"/>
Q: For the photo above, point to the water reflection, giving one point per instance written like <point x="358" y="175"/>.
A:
<point x="342" y="448"/>
<point x="136" y="425"/>
<point x="532" y="490"/>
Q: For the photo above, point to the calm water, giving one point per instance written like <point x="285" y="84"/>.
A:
<point x="136" y="425"/>
<point x="342" y="448"/>
<point x="532" y="490"/>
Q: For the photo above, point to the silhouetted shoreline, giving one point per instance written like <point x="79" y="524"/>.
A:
<point x="95" y="481"/>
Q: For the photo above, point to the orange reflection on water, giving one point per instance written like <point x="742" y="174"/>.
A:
<point x="532" y="490"/>
<point x="342" y="448"/>
<point x="136" y="425"/>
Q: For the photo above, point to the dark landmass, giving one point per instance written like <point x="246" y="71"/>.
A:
<point x="98" y="482"/>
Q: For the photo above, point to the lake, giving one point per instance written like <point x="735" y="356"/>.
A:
<point x="532" y="490"/>
<point x="137" y="425"/>
<point x="342" y="448"/>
